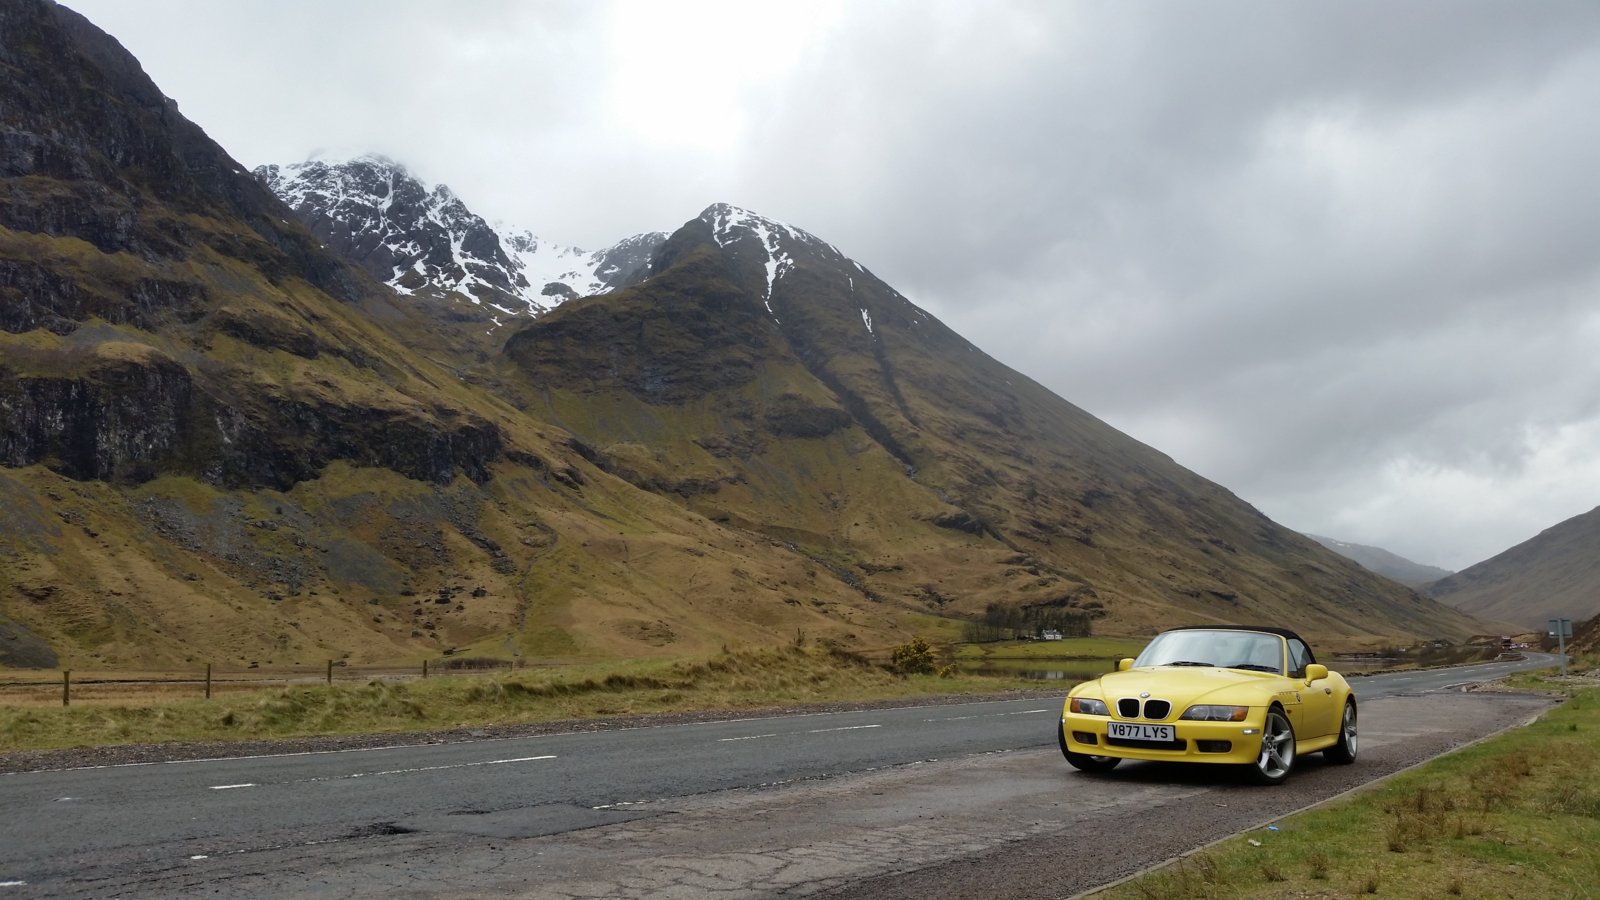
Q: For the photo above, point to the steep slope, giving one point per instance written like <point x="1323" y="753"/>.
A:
<point x="1554" y="574"/>
<point x="217" y="443"/>
<point x="422" y="239"/>
<point x="772" y="383"/>
<point x="1389" y="565"/>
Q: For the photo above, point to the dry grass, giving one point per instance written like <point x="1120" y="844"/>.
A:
<point x="732" y="680"/>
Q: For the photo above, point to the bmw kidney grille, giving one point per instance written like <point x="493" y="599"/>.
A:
<point x="1128" y="708"/>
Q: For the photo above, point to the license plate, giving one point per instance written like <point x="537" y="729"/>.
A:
<point x="1130" y="731"/>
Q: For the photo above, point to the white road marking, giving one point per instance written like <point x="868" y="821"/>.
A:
<point x="13" y="884"/>
<point x="200" y="856"/>
<point x="750" y="737"/>
<point x="486" y="762"/>
<point x="1024" y="712"/>
<point x="845" y="728"/>
<point x="322" y="778"/>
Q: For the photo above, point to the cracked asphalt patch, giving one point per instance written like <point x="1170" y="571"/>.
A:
<point x="993" y="824"/>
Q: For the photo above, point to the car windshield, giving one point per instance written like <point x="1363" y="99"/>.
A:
<point x="1252" y="650"/>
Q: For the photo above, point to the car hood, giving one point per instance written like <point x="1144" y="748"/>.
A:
<point x="1187" y="685"/>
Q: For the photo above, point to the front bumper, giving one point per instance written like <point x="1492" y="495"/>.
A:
<point x="1199" y="742"/>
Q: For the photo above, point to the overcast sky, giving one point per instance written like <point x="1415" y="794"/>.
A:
<point x="1341" y="257"/>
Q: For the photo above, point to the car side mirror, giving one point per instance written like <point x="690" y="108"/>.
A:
<point x="1316" y="672"/>
<point x="1124" y="664"/>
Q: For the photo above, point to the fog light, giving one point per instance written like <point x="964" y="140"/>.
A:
<point x="1084" y="737"/>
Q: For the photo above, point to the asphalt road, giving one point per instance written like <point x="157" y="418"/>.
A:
<point x="496" y="817"/>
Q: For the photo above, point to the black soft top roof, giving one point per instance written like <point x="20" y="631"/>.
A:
<point x="1282" y="632"/>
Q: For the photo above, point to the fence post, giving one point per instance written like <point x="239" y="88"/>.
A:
<point x="330" y="672"/>
<point x="208" y="681"/>
<point x="424" y="668"/>
<point x="66" y="687"/>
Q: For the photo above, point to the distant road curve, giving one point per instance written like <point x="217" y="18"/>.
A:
<point x="443" y="812"/>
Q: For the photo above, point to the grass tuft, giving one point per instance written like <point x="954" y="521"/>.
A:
<point x="1318" y="864"/>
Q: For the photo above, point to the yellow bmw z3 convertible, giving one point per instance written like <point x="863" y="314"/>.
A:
<point x="1228" y="694"/>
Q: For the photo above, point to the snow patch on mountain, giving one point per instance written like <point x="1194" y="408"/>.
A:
<point x="422" y="239"/>
<point x="731" y="225"/>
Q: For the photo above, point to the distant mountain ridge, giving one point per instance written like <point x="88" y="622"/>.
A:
<point x="1554" y="574"/>
<point x="1389" y="565"/>
<point x="423" y="239"/>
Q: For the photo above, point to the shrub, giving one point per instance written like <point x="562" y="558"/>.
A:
<point x="915" y="658"/>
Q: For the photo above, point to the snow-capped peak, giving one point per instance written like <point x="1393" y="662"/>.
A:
<point x="780" y="242"/>
<point x="422" y="239"/>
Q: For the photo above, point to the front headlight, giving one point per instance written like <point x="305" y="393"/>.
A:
<point x="1088" y="706"/>
<point x="1216" y="713"/>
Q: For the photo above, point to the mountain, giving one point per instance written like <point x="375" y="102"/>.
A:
<point x="1554" y="574"/>
<point x="1387" y="564"/>
<point x="223" y="441"/>
<point x="422" y="239"/>
<point x="774" y="384"/>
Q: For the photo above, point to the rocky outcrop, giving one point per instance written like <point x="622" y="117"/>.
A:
<point x="126" y="412"/>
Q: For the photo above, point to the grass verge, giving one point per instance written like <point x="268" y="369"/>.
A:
<point x="1515" y="816"/>
<point x="733" y="680"/>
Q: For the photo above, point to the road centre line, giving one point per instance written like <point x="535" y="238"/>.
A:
<point x="486" y="762"/>
<point x="754" y="737"/>
<point x="322" y="778"/>
<point x="845" y="728"/>
<point x="1025" y="712"/>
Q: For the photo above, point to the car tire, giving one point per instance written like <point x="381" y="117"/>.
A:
<point x="1083" y="761"/>
<point x="1344" y="751"/>
<point x="1278" y="749"/>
